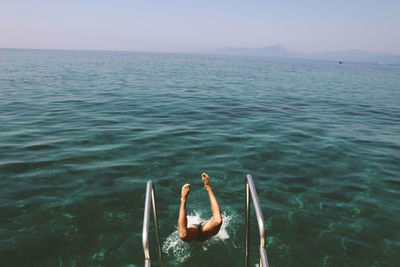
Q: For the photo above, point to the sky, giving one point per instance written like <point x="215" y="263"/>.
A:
<point x="185" y="26"/>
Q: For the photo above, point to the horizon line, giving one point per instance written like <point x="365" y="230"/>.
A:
<point x="197" y="51"/>
<point x="200" y="53"/>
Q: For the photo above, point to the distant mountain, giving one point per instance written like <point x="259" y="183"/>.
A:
<point x="282" y="52"/>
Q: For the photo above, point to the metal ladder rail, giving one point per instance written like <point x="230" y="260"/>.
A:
<point x="251" y="189"/>
<point x="150" y="197"/>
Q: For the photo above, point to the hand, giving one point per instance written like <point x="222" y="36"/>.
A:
<point x="185" y="191"/>
<point x="206" y="180"/>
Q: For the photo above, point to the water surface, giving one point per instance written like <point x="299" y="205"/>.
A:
<point x="82" y="131"/>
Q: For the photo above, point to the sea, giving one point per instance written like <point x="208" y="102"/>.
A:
<point x="81" y="133"/>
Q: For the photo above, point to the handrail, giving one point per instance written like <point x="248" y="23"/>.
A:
<point x="251" y="189"/>
<point x="150" y="197"/>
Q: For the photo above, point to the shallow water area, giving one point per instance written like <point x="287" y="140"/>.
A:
<point x="82" y="131"/>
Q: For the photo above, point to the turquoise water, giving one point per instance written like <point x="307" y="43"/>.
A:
<point x="82" y="132"/>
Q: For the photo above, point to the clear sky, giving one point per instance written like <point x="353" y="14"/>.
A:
<point x="172" y="25"/>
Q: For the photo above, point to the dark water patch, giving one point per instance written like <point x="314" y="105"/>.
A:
<point x="39" y="147"/>
<point x="18" y="167"/>
<point x="42" y="243"/>
<point x="392" y="181"/>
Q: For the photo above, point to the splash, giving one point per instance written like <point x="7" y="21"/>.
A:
<point x="181" y="251"/>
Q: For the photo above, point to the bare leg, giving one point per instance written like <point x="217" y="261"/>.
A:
<point x="211" y="227"/>
<point x="185" y="233"/>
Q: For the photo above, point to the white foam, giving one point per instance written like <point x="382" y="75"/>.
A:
<point x="181" y="251"/>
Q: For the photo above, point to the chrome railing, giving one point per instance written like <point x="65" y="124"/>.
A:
<point x="251" y="189"/>
<point x="150" y="197"/>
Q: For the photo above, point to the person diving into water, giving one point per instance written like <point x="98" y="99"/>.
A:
<point x="204" y="230"/>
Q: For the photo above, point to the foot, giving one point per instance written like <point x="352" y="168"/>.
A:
<point x="185" y="191"/>
<point x="206" y="180"/>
